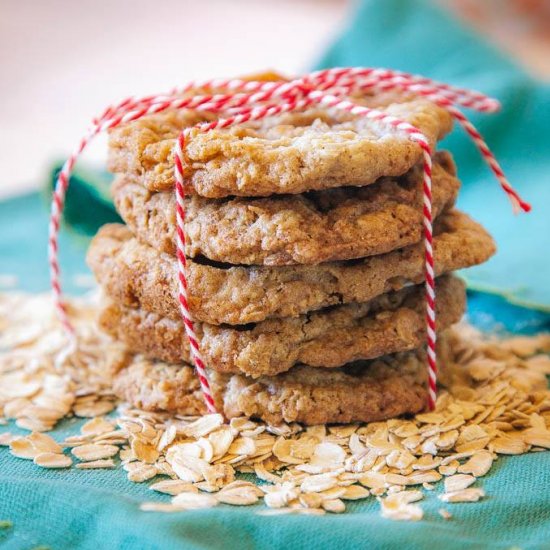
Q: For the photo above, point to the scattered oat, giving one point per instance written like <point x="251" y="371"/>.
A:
<point x="173" y="487"/>
<point x="458" y="482"/>
<point x="373" y="480"/>
<point x="144" y="451"/>
<point x="478" y="465"/>
<point x="496" y="402"/>
<point x="445" y="514"/>
<point x="203" y="426"/>
<point x="53" y="460"/>
<point x="22" y="448"/>
<point x="398" y="506"/>
<point x="97" y="426"/>
<point x="239" y="493"/>
<point x="537" y="437"/>
<point x="335" y="506"/>
<point x="194" y="501"/>
<point x="142" y="472"/>
<point x="472" y="494"/>
<point x="279" y="496"/>
<point x="94" y="452"/>
<point x="310" y="500"/>
<point x="32" y="445"/>
<point x="355" y="492"/>
<point x="93" y="409"/>
<point x="318" y="483"/>
<point x="449" y="469"/>
<point x="507" y="445"/>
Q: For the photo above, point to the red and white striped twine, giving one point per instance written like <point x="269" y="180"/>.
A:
<point x="242" y="101"/>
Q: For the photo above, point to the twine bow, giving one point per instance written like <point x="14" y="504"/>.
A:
<point x="241" y="101"/>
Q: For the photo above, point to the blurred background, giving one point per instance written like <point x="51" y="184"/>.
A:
<point x="62" y="61"/>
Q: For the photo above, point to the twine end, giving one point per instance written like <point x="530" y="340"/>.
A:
<point x="493" y="105"/>
<point x="520" y="206"/>
<point x="525" y="206"/>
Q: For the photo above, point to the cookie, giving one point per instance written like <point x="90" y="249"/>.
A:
<point x="138" y="276"/>
<point x="387" y="324"/>
<point x="361" y="392"/>
<point x="322" y="226"/>
<point x="292" y="153"/>
<point x="156" y="386"/>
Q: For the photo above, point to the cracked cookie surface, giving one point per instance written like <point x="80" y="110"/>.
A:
<point x="291" y="153"/>
<point x="136" y="275"/>
<point x="323" y="226"/>
<point x="365" y="391"/>
<point x="329" y="338"/>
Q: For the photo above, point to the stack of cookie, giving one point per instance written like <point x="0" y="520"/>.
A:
<point x="305" y="263"/>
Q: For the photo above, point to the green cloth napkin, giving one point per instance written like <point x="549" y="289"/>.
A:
<point x="99" y="509"/>
<point x="24" y="233"/>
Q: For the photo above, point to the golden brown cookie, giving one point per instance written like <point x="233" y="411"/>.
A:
<point x="322" y="226"/>
<point x="365" y="391"/>
<point x="291" y="153"/>
<point x="329" y="338"/>
<point x="157" y="386"/>
<point x="138" y="276"/>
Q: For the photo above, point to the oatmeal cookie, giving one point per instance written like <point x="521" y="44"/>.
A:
<point x="157" y="386"/>
<point x="364" y="391"/>
<point x="329" y="338"/>
<point x="291" y="153"/>
<point x="322" y="226"/>
<point x="138" y="276"/>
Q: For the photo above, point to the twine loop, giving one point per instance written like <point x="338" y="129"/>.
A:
<point x="237" y="101"/>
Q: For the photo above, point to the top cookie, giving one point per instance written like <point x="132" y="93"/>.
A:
<point x="293" y="153"/>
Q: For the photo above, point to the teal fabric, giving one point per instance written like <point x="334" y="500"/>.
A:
<point x="91" y="510"/>
<point x="95" y="510"/>
<point x="99" y="509"/>
<point x="24" y="246"/>
<point x="414" y="36"/>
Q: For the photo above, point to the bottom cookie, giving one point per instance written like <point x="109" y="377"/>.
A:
<point x="364" y="391"/>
